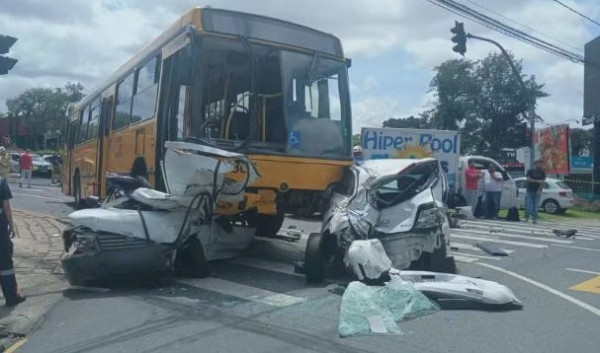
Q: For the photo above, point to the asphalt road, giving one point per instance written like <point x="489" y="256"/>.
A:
<point x="256" y="303"/>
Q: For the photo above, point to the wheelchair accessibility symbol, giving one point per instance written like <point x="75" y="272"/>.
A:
<point x="294" y="138"/>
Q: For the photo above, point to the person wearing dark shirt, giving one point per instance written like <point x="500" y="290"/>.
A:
<point x="535" y="185"/>
<point x="8" y="280"/>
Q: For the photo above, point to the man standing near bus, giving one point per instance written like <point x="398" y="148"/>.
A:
<point x="8" y="280"/>
<point x="493" y="191"/>
<point x="472" y="176"/>
<point x="26" y="163"/>
<point x="535" y="182"/>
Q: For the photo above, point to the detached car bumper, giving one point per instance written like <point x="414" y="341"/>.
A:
<point x="98" y="257"/>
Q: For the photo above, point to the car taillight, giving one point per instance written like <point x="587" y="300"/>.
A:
<point x="562" y="193"/>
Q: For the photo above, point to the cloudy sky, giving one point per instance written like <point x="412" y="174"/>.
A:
<point x="394" y="44"/>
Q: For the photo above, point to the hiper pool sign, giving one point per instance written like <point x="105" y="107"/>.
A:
<point x="385" y="143"/>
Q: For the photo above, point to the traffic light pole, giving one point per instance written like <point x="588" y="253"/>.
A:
<point x="525" y="91"/>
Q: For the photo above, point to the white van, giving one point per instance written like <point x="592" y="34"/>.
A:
<point x="510" y="196"/>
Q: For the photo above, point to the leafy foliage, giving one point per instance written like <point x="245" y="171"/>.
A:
<point x="485" y="100"/>
<point x="582" y="141"/>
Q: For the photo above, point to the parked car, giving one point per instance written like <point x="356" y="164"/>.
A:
<point x="40" y="166"/>
<point x="557" y="196"/>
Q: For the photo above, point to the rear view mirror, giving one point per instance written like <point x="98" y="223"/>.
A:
<point x="92" y="201"/>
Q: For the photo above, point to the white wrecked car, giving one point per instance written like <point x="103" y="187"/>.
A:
<point x="149" y="233"/>
<point x="401" y="202"/>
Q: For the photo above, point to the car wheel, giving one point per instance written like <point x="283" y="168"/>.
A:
<point x="314" y="259"/>
<point x="551" y="206"/>
<point x="192" y="261"/>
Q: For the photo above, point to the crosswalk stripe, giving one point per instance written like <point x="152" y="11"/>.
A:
<point x="472" y="247"/>
<point x="527" y="227"/>
<point x="519" y="230"/>
<point x="577" y="247"/>
<point x="243" y="291"/>
<point x="500" y="241"/>
<point x="467" y="259"/>
<point x="267" y="265"/>
<point x="530" y="237"/>
<point x="460" y="254"/>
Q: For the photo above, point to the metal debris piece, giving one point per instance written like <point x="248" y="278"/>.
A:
<point x="89" y="289"/>
<point x="568" y="233"/>
<point x="491" y="249"/>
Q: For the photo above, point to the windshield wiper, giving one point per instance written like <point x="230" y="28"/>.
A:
<point x="312" y="69"/>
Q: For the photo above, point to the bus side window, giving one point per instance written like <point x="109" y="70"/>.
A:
<point x="94" y="120"/>
<point x="123" y="105"/>
<point x="85" y="116"/>
<point x="144" y="97"/>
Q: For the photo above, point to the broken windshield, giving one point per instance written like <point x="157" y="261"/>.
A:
<point x="264" y="98"/>
<point x="405" y="185"/>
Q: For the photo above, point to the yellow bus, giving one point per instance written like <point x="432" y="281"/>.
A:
<point x="274" y="90"/>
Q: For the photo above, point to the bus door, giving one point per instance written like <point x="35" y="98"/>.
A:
<point x="67" y="171"/>
<point x="103" y="132"/>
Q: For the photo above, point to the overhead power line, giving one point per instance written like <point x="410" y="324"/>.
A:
<point x="524" y="26"/>
<point x="496" y="25"/>
<point x="577" y="12"/>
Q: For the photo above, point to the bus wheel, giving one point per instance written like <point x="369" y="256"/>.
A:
<point x="267" y="225"/>
<point x="314" y="258"/>
<point x="77" y="191"/>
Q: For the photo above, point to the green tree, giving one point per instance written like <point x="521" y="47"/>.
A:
<point x="485" y="101"/>
<point x="421" y="122"/>
<point x="41" y="109"/>
<point x="581" y="141"/>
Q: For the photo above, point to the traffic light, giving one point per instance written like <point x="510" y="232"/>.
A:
<point x="6" y="63"/>
<point x="460" y="38"/>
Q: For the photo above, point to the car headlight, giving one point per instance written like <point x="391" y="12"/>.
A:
<point x="428" y="217"/>
<point x="86" y="243"/>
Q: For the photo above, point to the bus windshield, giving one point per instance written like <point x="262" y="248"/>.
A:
<point x="273" y="100"/>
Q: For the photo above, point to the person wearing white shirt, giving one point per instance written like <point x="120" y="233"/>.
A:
<point x="493" y="191"/>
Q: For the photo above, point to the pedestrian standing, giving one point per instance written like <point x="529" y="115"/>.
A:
<point x="8" y="280"/>
<point x="56" y="167"/>
<point x="5" y="161"/>
<point x="493" y="191"/>
<point x="535" y="184"/>
<point x="26" y="163"/>
<point x="472" y="176"/>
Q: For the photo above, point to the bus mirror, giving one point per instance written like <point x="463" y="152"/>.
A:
<point x="348" y="62"/>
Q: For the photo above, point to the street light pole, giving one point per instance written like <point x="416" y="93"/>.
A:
<point x="525" y="91"/>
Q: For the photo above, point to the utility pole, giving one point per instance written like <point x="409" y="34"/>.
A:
<point x="591" y="103"/>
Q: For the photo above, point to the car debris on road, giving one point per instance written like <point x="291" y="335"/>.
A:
<point x="400" y="202"/>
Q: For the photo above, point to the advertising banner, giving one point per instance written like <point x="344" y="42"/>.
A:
<point x="552" y="147"/>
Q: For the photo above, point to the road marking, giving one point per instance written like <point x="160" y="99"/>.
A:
<point x="590" y="286"/>
<point x="454" y="253"/>
<point x="494" y="240"/>
<point x="265" y="265"/>
<point x="529" y="232"/>
<point x="531" y="237"/>
<point x="582" y="271"/>
<point x="15" y="346"/>
<point x="549" y="289"/>
<point x="542" y="226"/>
<point x="467" y="259"/>
<point x="472" y="247"/>
<point x="38" y="196"/>
<point x="243" y="291"/>
<point x="576" y="247"/>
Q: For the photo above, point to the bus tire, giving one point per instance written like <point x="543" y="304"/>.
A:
<point x="267" y="225"/>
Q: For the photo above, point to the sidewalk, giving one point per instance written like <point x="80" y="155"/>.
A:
<point x="37" y="253"/>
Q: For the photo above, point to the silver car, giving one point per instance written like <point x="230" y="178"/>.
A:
<point x="400" y="202"/>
